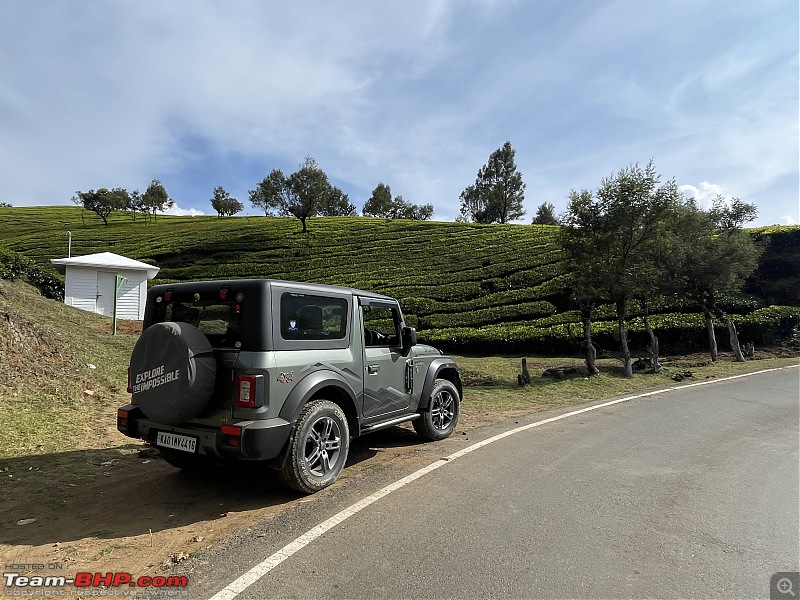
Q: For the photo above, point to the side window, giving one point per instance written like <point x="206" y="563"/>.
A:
<point x="306" y="317"/>
<point x="381" y="326"/>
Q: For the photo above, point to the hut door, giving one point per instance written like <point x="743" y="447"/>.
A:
<point x="105" y="293"/>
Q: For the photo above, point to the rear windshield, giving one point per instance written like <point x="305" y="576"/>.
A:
<point x="220" y="320"/>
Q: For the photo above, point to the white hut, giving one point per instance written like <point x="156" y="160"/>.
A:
<point x="91" y="279"/>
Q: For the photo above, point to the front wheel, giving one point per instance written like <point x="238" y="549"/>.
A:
<point x="439" y="421"/>
<point x="317" y="448"/>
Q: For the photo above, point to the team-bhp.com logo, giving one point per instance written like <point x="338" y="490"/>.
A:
<point x="94" y="580"/>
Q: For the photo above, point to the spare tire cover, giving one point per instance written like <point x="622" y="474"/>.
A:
<point x="173" y="370"/>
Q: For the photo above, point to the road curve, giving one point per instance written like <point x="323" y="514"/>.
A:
<point x="687" y="493"/>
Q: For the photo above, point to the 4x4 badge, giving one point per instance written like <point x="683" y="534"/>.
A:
<point x="286" y="377"/>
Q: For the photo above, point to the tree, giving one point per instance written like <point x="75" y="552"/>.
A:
<point x="585" y="285"/>
<point x="613" y="241"/>
<point x="422" y="212"/>
<point x="714" y="257"/>
<point x="380" y="204"/>
<point x="337" y="204"/>
<point x="498" y="191"/>
<point x="405" y="210"/>
<point x="306" y="191"/>
<point x="224" y="203"/>
<point x="156" y="199"/>
<point x="271" y="194"/>
<point x="102" y="201"/>
<point x="546" y="215"/>
<point x="136" y="203"/>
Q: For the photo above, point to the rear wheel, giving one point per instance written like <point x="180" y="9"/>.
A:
<point x="317" y="448"/>
<point x="439" y="421"/>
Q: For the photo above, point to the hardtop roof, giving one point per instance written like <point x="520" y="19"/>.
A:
<point x="245" y="283"/>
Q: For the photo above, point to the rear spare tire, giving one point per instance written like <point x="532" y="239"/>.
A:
<point x="173" y="370"/>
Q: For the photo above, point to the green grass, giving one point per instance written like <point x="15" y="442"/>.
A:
<point x="466" y="287"/>
<point x="54" y="434"/>
<point x="51" y="400"/>
<point x="491" y="382"/>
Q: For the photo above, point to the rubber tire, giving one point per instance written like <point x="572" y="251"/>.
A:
<point x="424" y="425"/>
<point x="295" y="472"/>
<point x="178" y="348"/>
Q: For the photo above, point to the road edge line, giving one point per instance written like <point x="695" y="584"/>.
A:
<point x="244" y="581"/>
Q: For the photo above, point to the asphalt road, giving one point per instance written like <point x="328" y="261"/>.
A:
<point x="688" y="493"/>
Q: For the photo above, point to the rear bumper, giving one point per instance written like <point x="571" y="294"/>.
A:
<point x="260" y="440"/>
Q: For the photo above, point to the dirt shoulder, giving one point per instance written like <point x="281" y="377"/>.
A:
<point x="131" y="511"/>
<point x="122" y="508"/>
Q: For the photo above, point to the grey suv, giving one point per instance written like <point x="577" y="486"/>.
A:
<point x="281" y="372"/>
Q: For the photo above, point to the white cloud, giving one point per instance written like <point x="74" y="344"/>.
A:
<point x="177" y="211"/>
<point x="416" y="94"/>
<point x="704" y="193"/>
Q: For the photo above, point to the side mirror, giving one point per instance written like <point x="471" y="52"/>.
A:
<point x="409" y="338"/>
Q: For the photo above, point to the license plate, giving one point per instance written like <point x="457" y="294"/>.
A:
<point x="176" y="442"/>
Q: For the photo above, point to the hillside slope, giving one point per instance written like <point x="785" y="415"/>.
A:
<point x="60" y="372"/>
<point x="464" y="286"/>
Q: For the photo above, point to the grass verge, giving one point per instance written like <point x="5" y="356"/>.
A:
<point x="491" y="387"/>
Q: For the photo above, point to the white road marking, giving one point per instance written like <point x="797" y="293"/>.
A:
<point x="253" y="575"/>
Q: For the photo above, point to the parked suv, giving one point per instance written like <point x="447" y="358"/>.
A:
<point x="282" y="372"/>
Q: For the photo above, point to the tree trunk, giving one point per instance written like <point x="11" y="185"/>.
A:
<point x="712" y="339"/>
<point x="653" y="348"/>
<point x="623" y="338"/>
<point x="734" y="337"/>
<point x="591" y="355"/>
<point x="303" y="221"/>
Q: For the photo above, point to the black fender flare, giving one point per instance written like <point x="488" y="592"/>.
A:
<point x="305" y="389"/>
<point x="440" y="368"/>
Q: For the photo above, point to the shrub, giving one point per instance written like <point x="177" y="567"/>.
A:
<point x="16" y="266"/>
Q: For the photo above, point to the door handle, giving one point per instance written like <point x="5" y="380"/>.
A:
<point x="373" y="369"/>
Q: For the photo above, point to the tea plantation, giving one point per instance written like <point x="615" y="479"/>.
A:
<point x="466" y="287"/>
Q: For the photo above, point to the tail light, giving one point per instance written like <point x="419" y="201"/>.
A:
<point x="246" y="391"/>
<point x="128" y="419"/>
<point x="223" y="292"/>
<point x="231" y="435"/>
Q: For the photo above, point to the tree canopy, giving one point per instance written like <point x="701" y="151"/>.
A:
<point x="337" y="204"/>
<point x="712" y="255"/>
<point x="156" y="199"/>
<point x="305" y="193"/>
<point x="381" y="204"/>
<point x="613" y="240"/>
<point x="224" y="203"/>
<point x="545" y="215"/>
<point x="102" y="201"/>
<point x="270" y="194"/>
<point x="498" y="192"/>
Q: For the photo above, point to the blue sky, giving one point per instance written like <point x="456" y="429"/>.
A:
<point x="415" y="93"/>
